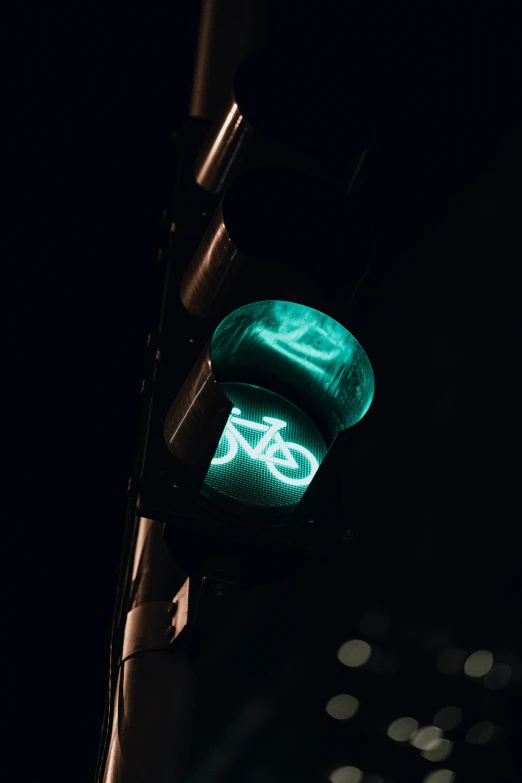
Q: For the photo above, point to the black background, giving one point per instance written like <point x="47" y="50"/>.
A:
<point x="97" y="95"/>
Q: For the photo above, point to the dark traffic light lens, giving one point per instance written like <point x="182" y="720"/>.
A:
<point x="268" y="454"/>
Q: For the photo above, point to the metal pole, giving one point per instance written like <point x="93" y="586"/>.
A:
<point x="229" y="30"/>
<point x="150" y="723"/>
<point x="155" y="691"/>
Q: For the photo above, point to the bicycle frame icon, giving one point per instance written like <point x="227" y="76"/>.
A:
<point x="271" y="429"/>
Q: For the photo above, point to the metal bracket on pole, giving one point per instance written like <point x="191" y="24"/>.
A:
<point x="181" y="611"/>
<point x="194" y="608"/>
<point x="145" y="629"/>
<point x="148" y="626"/>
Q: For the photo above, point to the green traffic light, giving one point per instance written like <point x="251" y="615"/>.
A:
<point x="268" y="453"/>
<point x="271" y="392"/>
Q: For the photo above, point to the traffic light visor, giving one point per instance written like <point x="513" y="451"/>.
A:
<point x="299" y="353"/>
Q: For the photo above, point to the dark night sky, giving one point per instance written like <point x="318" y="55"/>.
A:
<point x="97" y="95"/>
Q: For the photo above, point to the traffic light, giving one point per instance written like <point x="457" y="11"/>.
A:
<point x="249" y="445"/>
<point x="275" y="386"/>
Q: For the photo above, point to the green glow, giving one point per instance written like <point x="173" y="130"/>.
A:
<point x="269" y="450"/>
<point x="286" y="346"/>
<point x="270" y="428"/>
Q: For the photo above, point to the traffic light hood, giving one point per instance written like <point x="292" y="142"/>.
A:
<point x="281" y="105"/>
<point x="278" y="233"/>
<point x="300" y="353"/>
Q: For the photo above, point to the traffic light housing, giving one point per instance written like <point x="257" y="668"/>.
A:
<point x="270" y="366"/>
<point x="259" y="385"/>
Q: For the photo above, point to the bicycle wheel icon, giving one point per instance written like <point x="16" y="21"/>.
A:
<point x="231" y="453"/>
<point x="296" y="482"/>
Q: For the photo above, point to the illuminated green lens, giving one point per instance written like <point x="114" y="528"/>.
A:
<point x="269" y="450"/>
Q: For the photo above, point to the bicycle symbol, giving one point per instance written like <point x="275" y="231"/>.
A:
<point x="271" y="432"/>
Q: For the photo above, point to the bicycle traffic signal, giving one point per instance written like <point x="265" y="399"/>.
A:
<point x="253" y="439"/>
<point x="277" y="383"/>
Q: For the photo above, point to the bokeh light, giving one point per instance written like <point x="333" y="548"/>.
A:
<point x="346" y="775"/>
<point x="498" y="677"/>
<point x="342" y="706"/>
<point x="402" y="729"/>
<point x="480" y="733"/>
<point x="479" y="663"/>
<point x="440" y="776"/>
<point x="451" y="660"/>
<point x="427" y="738"/>
<point x="354" y="653"/>
<point x="442" y="751"/>
<point x="447" y="718"/>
